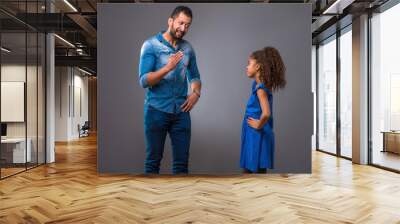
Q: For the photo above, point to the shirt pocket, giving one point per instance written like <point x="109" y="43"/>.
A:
<point x="164" y="55"/>
<point x="185" y="59"/>
<point x="183" y="66"/>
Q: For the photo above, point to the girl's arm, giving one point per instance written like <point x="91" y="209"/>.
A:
<point x="266" y="112"/>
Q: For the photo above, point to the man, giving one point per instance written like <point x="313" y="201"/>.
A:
<point x="167" y="64"/>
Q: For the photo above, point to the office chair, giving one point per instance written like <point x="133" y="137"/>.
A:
<point x="84" y="130"/>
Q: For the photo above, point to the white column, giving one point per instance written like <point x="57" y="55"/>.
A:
<point x="50" y="100"/>
<point x="360" y="90"/>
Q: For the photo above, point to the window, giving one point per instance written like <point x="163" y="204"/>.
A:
<point x="22" y="78"/>
<point x="385" y="88"/>
<point x="346" y="93"/>
<point x="327" y="95"/>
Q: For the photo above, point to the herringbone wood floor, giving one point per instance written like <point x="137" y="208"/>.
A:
<point x="70" y="191"/>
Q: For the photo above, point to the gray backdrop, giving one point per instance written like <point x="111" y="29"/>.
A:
<point x="223" y="36"/>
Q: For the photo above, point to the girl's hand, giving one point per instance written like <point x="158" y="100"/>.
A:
<point x="254" y="123"/>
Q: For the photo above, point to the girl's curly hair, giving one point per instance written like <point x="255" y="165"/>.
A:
<point x="272" y="68"/>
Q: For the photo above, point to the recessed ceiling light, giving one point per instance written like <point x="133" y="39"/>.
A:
<point x="70" y="5"/>
<point x="84" y="71"/>
<point x="64" y="40"/>
<point x="5" y="49"/>
<point x="338" y="6"/>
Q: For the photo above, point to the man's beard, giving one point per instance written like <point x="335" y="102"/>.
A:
<point x="174" y="35"/>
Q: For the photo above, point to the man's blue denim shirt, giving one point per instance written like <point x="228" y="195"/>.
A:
<point x="170" y="93"/>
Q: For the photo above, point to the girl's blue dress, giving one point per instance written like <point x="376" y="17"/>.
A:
<point x="257" y="149"/>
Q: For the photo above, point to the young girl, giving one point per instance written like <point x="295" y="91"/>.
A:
<point x="267" y="69"/>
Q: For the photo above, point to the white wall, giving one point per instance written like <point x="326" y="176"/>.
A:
<point x="61" y="103"/>
<point x="17" y="73"/>
<point x="70" y="83"/>
<point x="12" y="73"/>
<point x="81" y="84"/>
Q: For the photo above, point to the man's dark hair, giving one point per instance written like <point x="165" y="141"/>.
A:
<point x="181" y="9"/>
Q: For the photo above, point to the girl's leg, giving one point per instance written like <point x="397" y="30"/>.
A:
<point x="262" y="170"/>
<point x="246" y="171"/>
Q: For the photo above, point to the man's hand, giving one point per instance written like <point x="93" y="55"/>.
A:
<point x="191" y="100"/>
<point x="154" y="77"/>
<point x="254" y="123"/>
<point x="173" y="60"/>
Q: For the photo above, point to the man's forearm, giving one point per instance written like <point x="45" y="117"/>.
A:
<point x="155" y="77"/>
<point x="196" y="87"/>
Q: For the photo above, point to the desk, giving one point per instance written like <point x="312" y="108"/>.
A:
<point x="391" y="141"/>
<point x="15" y="148"/>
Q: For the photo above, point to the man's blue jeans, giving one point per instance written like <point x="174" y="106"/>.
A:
<point x="156" y="125"/>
